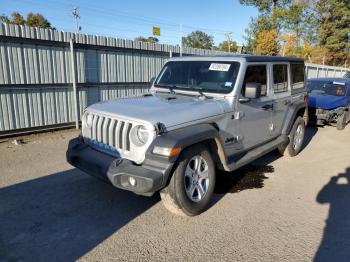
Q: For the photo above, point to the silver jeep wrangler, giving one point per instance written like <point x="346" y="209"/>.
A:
<point x="202" y="114"/>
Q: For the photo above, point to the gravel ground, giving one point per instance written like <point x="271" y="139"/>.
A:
<point x="276" y="209"/>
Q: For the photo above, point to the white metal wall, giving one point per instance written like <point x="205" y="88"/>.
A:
<point x="317" y="71"/>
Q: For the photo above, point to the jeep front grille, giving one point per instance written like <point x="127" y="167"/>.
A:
<point x="110" y="132"/>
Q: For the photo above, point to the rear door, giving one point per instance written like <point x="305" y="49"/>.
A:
<point x="281" y="94"/>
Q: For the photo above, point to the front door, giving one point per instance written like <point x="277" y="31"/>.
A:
<point x="256" y="125"/>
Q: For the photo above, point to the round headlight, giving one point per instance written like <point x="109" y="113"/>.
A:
<point x="139" y="135"/>
<point x="142" y="134"/>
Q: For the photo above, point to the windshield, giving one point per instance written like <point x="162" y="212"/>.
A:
<point x="324" y="88"/>
<point x="205" y="76"/>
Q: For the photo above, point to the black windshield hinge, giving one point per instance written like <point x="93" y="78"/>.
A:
<point x="160" y="128"/>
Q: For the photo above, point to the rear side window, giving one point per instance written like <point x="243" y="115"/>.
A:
<point x="257" y="74"/>
<point x="280" y="78"/>
<point x="298" y="75"/>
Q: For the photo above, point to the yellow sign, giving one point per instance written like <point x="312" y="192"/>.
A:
<point x="156" y="31"/>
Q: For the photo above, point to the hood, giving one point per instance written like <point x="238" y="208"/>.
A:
<point x="169" y="109"/>
<point x="327" y="102"/>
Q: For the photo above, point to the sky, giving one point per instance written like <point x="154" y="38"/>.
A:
<point x="131" y="18"/>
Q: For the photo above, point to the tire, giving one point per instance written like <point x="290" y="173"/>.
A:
<point x="296" y="139"/>
<point x="190" y="190"/>
<point x="342" y="120"/>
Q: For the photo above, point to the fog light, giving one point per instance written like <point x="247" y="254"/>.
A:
<point x="132" y="181"/>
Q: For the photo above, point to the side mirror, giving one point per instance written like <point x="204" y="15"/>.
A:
<point x="243" y="100"/>
<point x="151" y="82"/>
<point x="252" y="90"/>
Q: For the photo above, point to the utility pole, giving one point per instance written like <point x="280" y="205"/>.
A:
<point x="180" y="39"/>
<point x="229" y="37"/>
<point x="73" y="72"/>
<point x="74" y="84"/>
<point x="76" y="16"/>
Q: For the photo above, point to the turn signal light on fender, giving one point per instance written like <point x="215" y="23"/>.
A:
<point x="167" y="151"/>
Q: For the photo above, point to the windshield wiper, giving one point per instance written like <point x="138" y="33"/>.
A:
<point x="189" y="88"/>
<point x="170" y="87"/>
<point x="200" y="91"/>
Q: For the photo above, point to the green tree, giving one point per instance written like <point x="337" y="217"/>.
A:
<point x="257" y="25"/>
<point x="5" y="19"/>
<point x="36" y="20"/>
<point x="224" y="46"/>
<point x="316" y="30"/>
<point x="272" y="9"/>
<point x="263" y="5"/>
<point x="198" y="39"/>
<point x="17" y="18"/>
<point x="285" y="16"/>
<point x="150" y="39"/>
<point x="153" y="39"/>
<point x="266" y="43"/>
<point x="334" y="28"/>
<point x="289" y="43"/>
<point x="298" y="19"/>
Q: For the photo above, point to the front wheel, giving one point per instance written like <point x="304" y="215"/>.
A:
<point x="296" y="139"/>
<point x="192" y="183"/>
<point x="342" y="120"/>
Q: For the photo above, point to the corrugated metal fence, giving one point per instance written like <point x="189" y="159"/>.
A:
<point x="36" y="73"/>
<point x="316" y="71"/>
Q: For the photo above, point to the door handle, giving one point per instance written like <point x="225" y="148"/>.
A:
<point x="286" y="102"/>
<point x="267" y="107"/>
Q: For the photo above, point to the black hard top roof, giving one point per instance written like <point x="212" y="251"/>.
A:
<point x="257" y="58"/>
<point x="246" y="57"/>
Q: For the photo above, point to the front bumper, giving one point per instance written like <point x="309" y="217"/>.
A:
<point x="149" y="178"/>
<point x="322" y="116"/>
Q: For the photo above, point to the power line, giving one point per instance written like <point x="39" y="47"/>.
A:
<point x="151" y="20"/>
<point x="219" y="34"/>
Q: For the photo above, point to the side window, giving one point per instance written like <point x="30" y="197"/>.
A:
<point x="256" y="74"/>
<point x="280" y="78"/>
<point x="298" y="75"/>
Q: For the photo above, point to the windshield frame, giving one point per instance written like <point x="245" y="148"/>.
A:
<point x="188" y="90"/>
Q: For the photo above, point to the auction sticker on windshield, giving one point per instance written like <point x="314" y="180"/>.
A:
<point x="219" y="67"/>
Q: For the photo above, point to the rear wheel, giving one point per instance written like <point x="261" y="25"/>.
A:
<point x="296" y="139"/>
<point x="192" y="184"/>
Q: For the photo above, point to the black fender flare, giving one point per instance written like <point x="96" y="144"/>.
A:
<point x="292" y="115"/>
<point x="184" y="138"/>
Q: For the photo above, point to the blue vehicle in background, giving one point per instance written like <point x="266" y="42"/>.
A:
<point x="329" y="101"/>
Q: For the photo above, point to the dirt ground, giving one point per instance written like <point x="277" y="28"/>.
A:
<point x="276" y="209"/>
